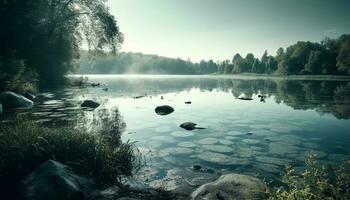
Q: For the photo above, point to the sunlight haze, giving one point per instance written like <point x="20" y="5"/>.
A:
<point x="207" y="29"/>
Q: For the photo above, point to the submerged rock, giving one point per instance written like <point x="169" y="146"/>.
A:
<point x="90" y="104"/>
<point x="189" y="126"/>
<point x="164" y="110"/>
<point x="245" y="98"/>
<point x="232" y="185"/>
<point x="53" y="180"/>
<point x="14" y="100"/>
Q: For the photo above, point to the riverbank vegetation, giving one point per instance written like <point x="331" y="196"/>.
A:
<point x="96" y="152"/>
<point x="316" y="181"/>
<point x="40" y="40"/>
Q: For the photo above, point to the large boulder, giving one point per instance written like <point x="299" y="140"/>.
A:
<point x="90" y="104"/>
<point x="232" y="186"/>
<point x="55" y="181"/>
<point x="13" y="100"/>
<point x="164" y="110"/>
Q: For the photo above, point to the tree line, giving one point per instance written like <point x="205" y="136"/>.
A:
<point x="329" y="57"/>
<point x="40" y="40"/>
<point x="138" y="63"/>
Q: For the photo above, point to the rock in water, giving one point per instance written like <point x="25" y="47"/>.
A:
<point x="13" y="100"/>
<point x="53" y="180"/>
<point x="90" y="104"/>
<point x="188" y="102"/>
<point x="164" y="110"/>
<point x="29" y="96"/>
<point x="188" y="126"/>
<point x="232" y="186"/>
<point x="245" y="98"/>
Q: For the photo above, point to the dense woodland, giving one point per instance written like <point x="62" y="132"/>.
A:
<point x="40" y="40"/>
<point x="330" y="57"/>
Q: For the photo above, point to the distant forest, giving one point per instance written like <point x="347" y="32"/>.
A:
<point x="329" y="57"/>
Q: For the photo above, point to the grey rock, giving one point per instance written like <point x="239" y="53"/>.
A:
<point x="53" y="180"/>
<point x="90" y="104"/>
<point x="232" y="186"/>
<point x="29" y="96"/>
<point x="245" y="98"/>
<point x="13" y="100"/>
<point x="190" y="126"/>
<point x="164" y="110"/>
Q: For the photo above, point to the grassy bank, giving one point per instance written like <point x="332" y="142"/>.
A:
<point x="96" y="153"/>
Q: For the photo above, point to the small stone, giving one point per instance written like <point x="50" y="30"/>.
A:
<point x="90" y="104"/>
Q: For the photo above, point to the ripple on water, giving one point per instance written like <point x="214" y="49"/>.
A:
<point x="182" y="134"/>
<point x="187" y="144"/>
<point x="163" y="129"/>
<point x="217" y="148"/>
<point x="208" y="141"/>
<point x="177" y="150"/>
<point x="225" y="141"/>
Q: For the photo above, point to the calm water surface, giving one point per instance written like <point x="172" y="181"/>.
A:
<point x="296" y="117"/>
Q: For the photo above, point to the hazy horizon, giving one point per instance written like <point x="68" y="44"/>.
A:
<point x="217" y="30"/>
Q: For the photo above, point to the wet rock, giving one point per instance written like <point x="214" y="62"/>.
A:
<point x="13" y="100"/>
<point x="95" y="84"/>
<point x="139" y="97"/>
<point x="55" y="181"/>
<point x="0" y="109"/>
<point x="245" y="98"/>
<point x="90" y="104"/>
<point x="29" y="96"/>
<point x="189" y="126"/>
<point x="164" y="110"/>
<point x="188" y="102"/>
<point x="232" y="185"/>
<point x="197" y="167"/>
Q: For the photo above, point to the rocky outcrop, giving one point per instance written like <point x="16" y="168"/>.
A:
<point x="55" y="181"/>
<point x="90" y="104"/>
<point x="164" y="110"/>
<point x="232" y="186"/>
<point x="13" y="100"/>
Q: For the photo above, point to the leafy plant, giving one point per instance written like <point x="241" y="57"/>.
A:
<point x="315" y="182"/>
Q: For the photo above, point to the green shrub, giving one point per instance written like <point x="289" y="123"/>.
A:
<point x="315" y="182"/>
<point x="24" y="145"/>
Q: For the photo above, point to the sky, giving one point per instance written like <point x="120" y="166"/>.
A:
<point x="217" y="29"/>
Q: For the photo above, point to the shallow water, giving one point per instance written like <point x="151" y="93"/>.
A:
<point x="297" y="116"/>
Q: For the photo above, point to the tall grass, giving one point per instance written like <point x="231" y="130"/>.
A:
<point x="24" y="145"/>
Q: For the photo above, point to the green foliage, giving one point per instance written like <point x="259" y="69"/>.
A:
<point x="24" y="145"/>
<point x="315" y="182"/>
<point x="330" y="57"/>
<point x="46" y="35"/>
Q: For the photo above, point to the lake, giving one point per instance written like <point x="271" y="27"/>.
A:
<point x="256" y="137"/>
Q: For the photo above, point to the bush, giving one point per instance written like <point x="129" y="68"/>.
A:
<point x="24" y="145"/>
<point x="315" y="182"/>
